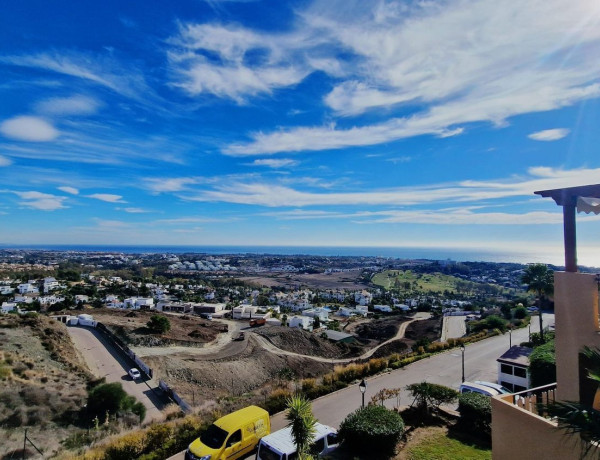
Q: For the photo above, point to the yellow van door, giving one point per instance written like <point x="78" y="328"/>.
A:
<point x="233" y="446"/>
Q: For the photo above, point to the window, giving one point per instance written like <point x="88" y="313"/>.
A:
<point x="520" y="372"/>
<point x="332" y="439"/>
<point x="506" y="369"/>
<point x="318" y="446"/>
<point x="234" y="438"/>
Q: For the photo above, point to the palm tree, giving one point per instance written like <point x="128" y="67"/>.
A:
<point x="580" y="418"/>
<point x="302" y="422"/>
<point x="539" y="279"/>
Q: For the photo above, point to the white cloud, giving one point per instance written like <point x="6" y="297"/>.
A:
<point x="175" y="184"/>
<point x="274" y="195"/>
<point x="74" y="105"/>
<point x="108" y="197"/>
<point x="41" y="201"/>
<point x="4" y="161"/>
<point x="134" y="210"/>
<point x="274" y="163"/>
<point x="549" y="134"/>
<point x="444" y="64"/>
<point x="27" y="128"/>
<point x="67" y="189"/>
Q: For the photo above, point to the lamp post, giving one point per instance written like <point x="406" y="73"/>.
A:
<point x="510" y="337"/>
<point x="362" y="386"/>
<point x="529" y="340"/>
<point x="462" y="349"/>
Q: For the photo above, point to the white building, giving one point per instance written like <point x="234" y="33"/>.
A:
<point x="6" y="290"/>
<point x="27" y="288"/>
<point x="244" y="312"/>
<point x="323" y="315"/>
<point x="362" y="310"/>
<point x="50" y="284"/>
<point x="303" y="322"/>
<point x="513" y="368"/>
<point x="382" y="308"/>
<point x="8" y="307"/>
<point x="363" y="297"/>
<point x="345" y="311"/>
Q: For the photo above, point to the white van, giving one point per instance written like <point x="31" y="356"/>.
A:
<point x="470" y="387"/>
<point x="495" y="386"/>
<point x="280" y="445"/>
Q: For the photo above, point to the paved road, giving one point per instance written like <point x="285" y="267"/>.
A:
<point x="104" y="361"/>
<point x="453" y="327"/>
<point x="445" y="369"/>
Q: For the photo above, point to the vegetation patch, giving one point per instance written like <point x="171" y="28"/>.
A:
<point x="438" y="444"/>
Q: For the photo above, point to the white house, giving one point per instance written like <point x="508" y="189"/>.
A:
<point x="82" y="298"/>
<point x="83" y="320"/>
<point x="363" y="297"/>
<point x="244" y="312"/>
<point x="362" y="310"/>
<point x="382" y="308"/>
<point x="402" y="307"/>
<point x="345" y="311"/>
<point x="50" y="300"/>
<point x="50" y="284"/>
<point x="27" y="288"/>
<point x="323" y="315"/>
<point x="22" y="299"/>
<point x="513" y="368"/>
<point x="6" y="290"/>
<point x="8" y="307"/>
<point x="303" y="322"/>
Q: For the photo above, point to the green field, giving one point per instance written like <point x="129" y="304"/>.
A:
<point x="409" y="281"/>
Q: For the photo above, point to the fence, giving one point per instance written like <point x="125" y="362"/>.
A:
<point x="174" y="396"/>
<point x="121" y="346"/>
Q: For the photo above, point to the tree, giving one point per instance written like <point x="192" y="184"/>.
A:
<point x="582" y="418"/>
<point x="111" y="398"/>
<point x="431" y="395"/>
<point x="159" y="324"/>
<point x="539" y="279"/>
<point x="302" y="424"/>
<point x="316" y="323"/>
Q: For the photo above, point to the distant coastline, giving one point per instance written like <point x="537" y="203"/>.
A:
<point x="454" y="254"/>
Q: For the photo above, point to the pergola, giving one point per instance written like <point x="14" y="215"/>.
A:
<point x="583" y="199"/>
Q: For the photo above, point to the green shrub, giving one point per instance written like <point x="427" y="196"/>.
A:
<point x="159" y="324"/>
<point x="542" y="365"/>
<point x="475" y="413"/>
<point x="520" y="312"/>
<point x="431" y="395"/>
<point x="374" y="430"/>
<point x="276" y="401"/>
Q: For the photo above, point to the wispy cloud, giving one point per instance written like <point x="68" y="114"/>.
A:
<point x="74" y="105"/>
<point x="108" y="197"/>
<point x="4" y="161"/>
<point x="274" y="195"/>
<point x="549" y="134"/>
<point x="134" y="210"/>
<point x="41" y="201"/>
<point x="67" y="189"/>
<point x="274" y="163"/>
<point x="416" y="58"/>
<point x="174" y="184"/>
<point x="28" y="128"/>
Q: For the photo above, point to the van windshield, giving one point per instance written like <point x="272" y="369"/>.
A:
<point x="213" y="437"/>
<point x="266" y="453"/>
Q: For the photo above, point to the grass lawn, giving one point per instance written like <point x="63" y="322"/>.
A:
<point x="408" y="280"/>
<point x="436" y="444"/>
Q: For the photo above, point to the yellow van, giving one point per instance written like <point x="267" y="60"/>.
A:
<point x="230" y="437"/>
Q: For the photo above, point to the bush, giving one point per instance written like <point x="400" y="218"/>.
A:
<point x="372" y="430"/>
<point x="111" y="398"/>
<point x="159" y="324"/>
<point x="475" y="413"/>
<point x="520" y="312"/>
<point x="431" y="395"/>
<point x="276" y="401"/>
<point x="542" y="365"/>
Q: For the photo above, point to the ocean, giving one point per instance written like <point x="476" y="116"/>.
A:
<point x="454" y="254"/>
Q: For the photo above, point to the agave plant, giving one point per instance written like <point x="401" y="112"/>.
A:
<point x="302" y="422"/>
<point x="580" y="418"/>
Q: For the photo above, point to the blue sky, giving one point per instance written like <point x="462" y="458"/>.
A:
<point x="323" y="122"/>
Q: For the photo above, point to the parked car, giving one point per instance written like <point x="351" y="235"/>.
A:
<point x="134" y="373"/>
<point x="471" y="387"/>
<point x="495" y="386"/>
<point x="241" y="336"/>
<point x="233" y="436"/>
<point x="280" y="444"/>
<point x="207" y="316"/>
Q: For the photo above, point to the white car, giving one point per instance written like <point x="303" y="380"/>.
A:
<point x="134" y="373"/>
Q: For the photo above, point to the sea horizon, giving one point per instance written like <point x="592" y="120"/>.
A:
<point x="398" y="252"/>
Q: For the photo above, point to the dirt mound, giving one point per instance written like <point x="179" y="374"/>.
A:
<point x="199" y="380"/>
<point x="396" y="346"/>
<point x="428" y="328"/>
<point x="131" y="327"/>
<point x="380" y="329"/>
<point x="306" y="343"/>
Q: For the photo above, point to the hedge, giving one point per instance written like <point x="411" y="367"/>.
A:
<point x="373" y="430"/>
<point x="542" y="365"/>
<point x="476" y="412"/>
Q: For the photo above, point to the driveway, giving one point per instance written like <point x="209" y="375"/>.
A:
<point x="104" y="361"/>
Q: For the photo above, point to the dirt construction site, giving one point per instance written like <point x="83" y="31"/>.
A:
<point x="225" y="368"/>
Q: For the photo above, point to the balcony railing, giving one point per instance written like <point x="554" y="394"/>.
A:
<point x="536" y="400"/>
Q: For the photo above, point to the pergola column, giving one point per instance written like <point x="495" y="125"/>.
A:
<point x="570" y="236"/>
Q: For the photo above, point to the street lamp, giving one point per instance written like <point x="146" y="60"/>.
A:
<point x="529" y="340"/>
<point x="362" y="386"/>
<point x="462" y="349"/>
<point x="510" y="337"/>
